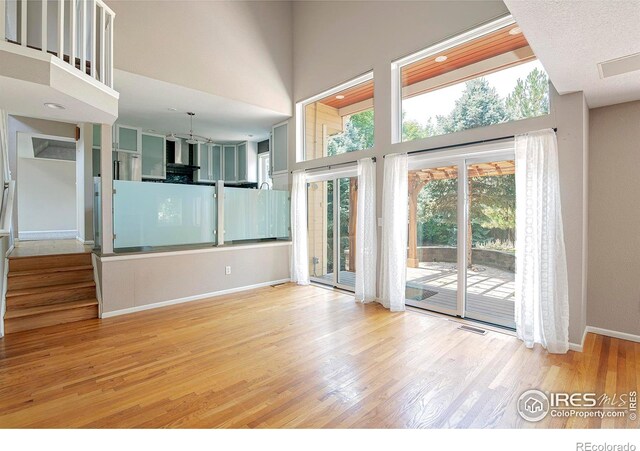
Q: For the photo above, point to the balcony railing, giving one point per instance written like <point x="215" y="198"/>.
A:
<point x="78" y="32"/>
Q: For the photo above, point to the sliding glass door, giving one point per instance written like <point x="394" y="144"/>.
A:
<point x="461" y="256"/>
<point x="331" y="222"/>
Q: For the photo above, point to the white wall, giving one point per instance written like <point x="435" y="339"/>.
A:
<point x="614" y="218"/>
<point x="360" y="36"/>
<point x="18" y="125"/>
<point x="235" y="49"/>
<point x="47" y="200"/>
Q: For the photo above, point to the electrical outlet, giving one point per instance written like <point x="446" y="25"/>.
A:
<point x="227" y="270"/>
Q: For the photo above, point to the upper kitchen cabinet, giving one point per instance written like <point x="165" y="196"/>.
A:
<point x="230" y="163"/>
<point x="216" y="162"/>
<point x="210" y="162"/>
<point x="127" y="139"/>
<point x="279" y="148"/>
<point x="154" y="156"/>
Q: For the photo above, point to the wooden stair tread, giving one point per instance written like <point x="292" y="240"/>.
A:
<point x="61" y="287"/>
<point x="30" y="272"/>
<point x="44" y="309"/>
<point x="62" y="254"/>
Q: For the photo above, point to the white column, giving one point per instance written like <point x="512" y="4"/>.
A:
<point x="106" y="174"/>
<point x="84" y="183"/>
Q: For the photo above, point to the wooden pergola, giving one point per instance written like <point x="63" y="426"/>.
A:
<point x="419" y="178"/>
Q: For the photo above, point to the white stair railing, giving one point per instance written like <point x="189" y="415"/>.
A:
<point x="78" y="32"/>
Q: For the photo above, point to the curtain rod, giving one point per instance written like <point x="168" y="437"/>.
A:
<point x="329" y="166"/>
<point x="470" y="143"/>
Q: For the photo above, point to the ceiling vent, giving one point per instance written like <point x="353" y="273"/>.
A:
<point x="619" y="66"/>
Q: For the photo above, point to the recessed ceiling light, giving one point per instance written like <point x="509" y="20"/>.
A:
<point x="514" y="31"/>
<point x="339" y="97"/>
<point x="172" y="109"/>
<point x="250" y="136"/>
<point x="54" y="106"/>
<point x="441" y="58"/>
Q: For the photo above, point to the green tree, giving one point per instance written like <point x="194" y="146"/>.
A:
<point x="478" y="106"/>
<point x="357" y="135"/>
<point x="412" y="129"/>
<point x="530" y="97"/>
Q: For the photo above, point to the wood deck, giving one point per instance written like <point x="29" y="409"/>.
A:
<point x="293" y="357"/>
<point x="490" y="296"/>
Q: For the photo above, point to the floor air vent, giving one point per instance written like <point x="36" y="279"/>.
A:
<point x="475" y="330"/>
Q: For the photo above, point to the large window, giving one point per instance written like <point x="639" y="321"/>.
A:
<point x="339" y="121"/>
<point x="486" y="76"/>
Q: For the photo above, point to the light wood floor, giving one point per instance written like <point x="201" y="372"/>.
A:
<point x="290" y="357"/>
<point x="48" y="247"/>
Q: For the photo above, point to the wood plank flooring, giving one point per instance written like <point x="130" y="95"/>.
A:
<point x="294" y="357"/>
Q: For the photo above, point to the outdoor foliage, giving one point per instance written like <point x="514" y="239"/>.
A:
<point x="493" y="198"/>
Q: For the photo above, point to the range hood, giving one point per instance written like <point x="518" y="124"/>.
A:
<point x="180" y="156"/>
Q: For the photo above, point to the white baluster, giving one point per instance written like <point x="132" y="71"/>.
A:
<point x="93" y="39"/>
<point x="61" y="29"/>
<point x="72" y="32"/>
<point x="103" y="36"/>
<point x="83" y="36"/>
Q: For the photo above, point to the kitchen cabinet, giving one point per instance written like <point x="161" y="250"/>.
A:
<point x="230" y="163"/>
<point x="279" y="148"/>
<point x="127" y="139"/>
<point x="210" y="162"/>
<point x="216" y="162"/>
<point x="154" y="156"/>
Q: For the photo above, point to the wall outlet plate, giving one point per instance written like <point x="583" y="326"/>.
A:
<point x="227" y="270"/>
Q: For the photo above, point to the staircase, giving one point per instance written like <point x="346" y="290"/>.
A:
<point x="46" y="290"/>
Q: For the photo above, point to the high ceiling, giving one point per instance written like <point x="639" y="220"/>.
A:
<point x="145" y="102"/>
<point x="571" y="37"/>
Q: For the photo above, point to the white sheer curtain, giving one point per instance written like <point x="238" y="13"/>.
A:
<point x="299" y="252"/>
<point x="366" y="232"/>
<point x="542" y="301"/>
<point x="394" y="232"/>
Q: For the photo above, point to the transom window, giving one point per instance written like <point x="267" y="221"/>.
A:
<point x="340" y="120"/>
<point x="486" y="76"/>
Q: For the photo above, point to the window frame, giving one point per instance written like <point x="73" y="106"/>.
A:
<point x="301" y="111"/>
<point x="399" y="64"/>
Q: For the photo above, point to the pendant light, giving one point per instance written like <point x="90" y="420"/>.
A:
<point x="191" y="139"/>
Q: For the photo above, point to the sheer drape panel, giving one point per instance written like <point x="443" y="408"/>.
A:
<point x="394" y="232"/>
<point x="366" y="232"/>
<point x="542" y="301"/>
<point x="299" y="252"/>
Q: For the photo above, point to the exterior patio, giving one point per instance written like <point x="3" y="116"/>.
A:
<point x="433" y="286"/>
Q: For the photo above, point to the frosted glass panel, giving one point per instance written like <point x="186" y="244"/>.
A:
<point x="230" y="163"/>
<point x="128" y="139"/>
<point x="162" y="214"/>
<point x="204" y="174"/>
<point x="153" y="164"/>
<point x="216" y="165"/>
<point x="252" y="214"/>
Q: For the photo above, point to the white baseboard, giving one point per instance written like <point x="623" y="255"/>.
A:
<point x="48" y="235"/>
<point x="579" y="347"/>
<point x="613" y="334"/>
<point x="190" y="298"/>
